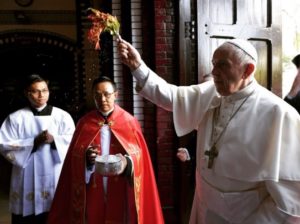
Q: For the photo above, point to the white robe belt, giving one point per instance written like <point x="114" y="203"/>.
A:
<point x="232" y="206"/>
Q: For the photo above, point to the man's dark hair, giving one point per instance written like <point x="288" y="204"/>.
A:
<point x="104" y="79"/>
<point x="33" y="78"/>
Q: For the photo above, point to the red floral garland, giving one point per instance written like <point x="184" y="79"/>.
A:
<point x="101" y="22"/>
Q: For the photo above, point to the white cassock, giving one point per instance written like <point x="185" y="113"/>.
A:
<point x="34" y="175"/>
<point x="255" y="179"/>
<point x="105" y="135"/>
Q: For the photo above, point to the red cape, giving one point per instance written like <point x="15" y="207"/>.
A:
<point x="69" y="203"/>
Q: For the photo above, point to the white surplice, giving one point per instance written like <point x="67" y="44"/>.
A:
<point x="255" y="179"/>
<point x="34" y="175"/>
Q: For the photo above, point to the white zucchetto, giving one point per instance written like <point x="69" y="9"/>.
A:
<point x="244" y="45"/>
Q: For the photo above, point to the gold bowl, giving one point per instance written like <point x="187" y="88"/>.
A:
<point x="108" y="165"/>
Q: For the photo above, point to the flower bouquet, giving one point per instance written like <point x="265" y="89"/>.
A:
<point x="102" y="22"/>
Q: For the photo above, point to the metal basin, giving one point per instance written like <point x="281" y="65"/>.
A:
<point x="108" y="165"/>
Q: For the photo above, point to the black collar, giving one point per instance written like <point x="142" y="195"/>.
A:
<point x="44" y="112"/>
<point x="105" y="117"/>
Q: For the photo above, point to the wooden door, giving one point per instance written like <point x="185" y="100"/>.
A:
<point x="256" y="20"/>
<point x="188" y="75"/>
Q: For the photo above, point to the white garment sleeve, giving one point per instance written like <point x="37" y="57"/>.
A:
<point x="154" y="88"/>
<point x="188" y="103"/>
<point x="62" y="137"/>
<point x="15" y="149"/>
<point x="286" y="195"/>
<point x="141" y="75"/>
<point x="282" y="206"/>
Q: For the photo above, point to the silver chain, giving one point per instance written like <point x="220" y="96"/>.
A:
<point x="226" y="125"/>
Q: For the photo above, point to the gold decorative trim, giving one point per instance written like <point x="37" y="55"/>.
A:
<point x="45" y="195"/>
<point x="30" y="196"/>
<point x="14" y="196"/>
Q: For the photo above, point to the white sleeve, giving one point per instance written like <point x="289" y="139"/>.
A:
<point x="281" y="206"/>
<point x="15" y="149"/>
<point x="188" y="103"/>
<point x="154" y="88"/>
<point x="63" y="136"/>
<point x="286" y="195"/>
<point x="141" y="75"/>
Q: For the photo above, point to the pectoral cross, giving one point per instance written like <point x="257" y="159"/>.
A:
<point x="212" y="154"/>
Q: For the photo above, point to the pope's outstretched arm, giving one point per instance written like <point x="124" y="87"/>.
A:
<point x="165" y="95"/>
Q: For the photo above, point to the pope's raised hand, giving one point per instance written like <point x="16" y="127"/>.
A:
<point x="128" y="54"/>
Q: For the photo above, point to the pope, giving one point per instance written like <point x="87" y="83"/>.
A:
<point x="247" y="138"/>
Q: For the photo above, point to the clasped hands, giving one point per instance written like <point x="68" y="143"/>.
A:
<point x="92" y="152"/>
<point x="43" y="138"/>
